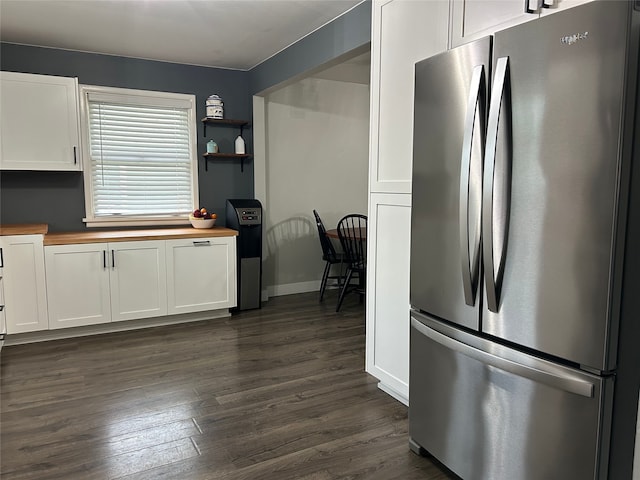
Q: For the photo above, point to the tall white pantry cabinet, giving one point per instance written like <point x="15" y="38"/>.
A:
<point x="403" y="32"/>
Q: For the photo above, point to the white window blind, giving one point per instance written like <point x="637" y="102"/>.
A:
<point x="141" y="158"/>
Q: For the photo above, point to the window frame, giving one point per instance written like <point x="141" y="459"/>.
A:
<point x="145" y="97"/>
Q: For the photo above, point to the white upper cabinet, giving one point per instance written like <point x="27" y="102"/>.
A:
<point x="553" y="6"/>
<point x="473" y="19"/>
<point x="39" y="122"/>
<point x="403" y="32"/>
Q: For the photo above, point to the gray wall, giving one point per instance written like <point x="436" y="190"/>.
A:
<point x="345" y="34"/>
<point x="57" y="198"/>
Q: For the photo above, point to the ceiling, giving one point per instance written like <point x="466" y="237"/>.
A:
<point x="236" y="34"/>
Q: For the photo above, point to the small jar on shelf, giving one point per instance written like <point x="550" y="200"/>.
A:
<point x="212" y="147"/>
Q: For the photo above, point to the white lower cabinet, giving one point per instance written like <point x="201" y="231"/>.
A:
<point x="103" y="282"/>
<point x="387" y="356"/>
<point x="77" y="285"/>
<point x="25" y="292"/>
<point x="201" y="274"/>
<point x="138" y="280"/>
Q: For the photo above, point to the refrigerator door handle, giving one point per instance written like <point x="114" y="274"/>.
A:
<point x="555" y="380"/>
<point x="474" y="123"/>
<point x="495" y="233"/>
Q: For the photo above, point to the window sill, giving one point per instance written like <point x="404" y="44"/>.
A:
<point x="134" y="222"/>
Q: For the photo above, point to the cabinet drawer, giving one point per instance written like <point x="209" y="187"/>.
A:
<point x="489" y="431"/>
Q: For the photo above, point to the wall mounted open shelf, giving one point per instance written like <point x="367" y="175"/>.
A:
<point x="224" y="122"/>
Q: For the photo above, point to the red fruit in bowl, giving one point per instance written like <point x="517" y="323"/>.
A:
<point x="197" y="214"/>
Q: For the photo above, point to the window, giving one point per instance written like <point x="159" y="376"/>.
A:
<point x="140" y="160"/>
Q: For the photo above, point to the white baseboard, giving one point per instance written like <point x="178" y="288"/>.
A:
<point x="394" y="393"/>
<point x="44" y="335"/>
<point x="292" y="288"/>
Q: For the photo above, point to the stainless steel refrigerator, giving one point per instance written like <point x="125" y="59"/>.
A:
<point x="523" y="147"/>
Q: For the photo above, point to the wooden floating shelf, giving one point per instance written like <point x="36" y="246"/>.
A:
<point x="225" y="122"/>
<point x="213" y="156"/>
<point x="227" y="155"/>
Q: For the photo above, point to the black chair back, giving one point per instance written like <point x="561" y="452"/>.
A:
<point x="328" y="251"/>
<point x="352" y="231"/>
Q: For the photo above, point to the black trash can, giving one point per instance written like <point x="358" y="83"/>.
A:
<point x="245" y="216"/>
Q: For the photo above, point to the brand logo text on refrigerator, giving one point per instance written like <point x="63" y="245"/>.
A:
<point x="571" y="39"/>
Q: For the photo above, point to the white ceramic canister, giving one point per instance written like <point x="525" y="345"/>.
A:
<point x="240" y="145"/>
<point x="215" y="107"/>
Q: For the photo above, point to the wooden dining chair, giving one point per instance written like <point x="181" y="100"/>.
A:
<point x="329" y="255"/>
<point x="352" y="231"/>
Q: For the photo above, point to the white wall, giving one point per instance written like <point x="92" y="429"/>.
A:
<point x="315" y="157"/>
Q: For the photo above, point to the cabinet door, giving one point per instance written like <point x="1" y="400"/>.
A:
<point x="473" y="19"/>
<point x="77" y="285"/>
<point x="39" y="122"/>
<point x="559" y="5"/>
<point x="201" y="274"/>
<point x="389" y="240"/>
<point x="404" y="32"/>
<point x="138" y="279"/>
<point x="24" y="283"/>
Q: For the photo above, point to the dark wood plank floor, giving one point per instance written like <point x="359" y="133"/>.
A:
<point x="277" y="393"/>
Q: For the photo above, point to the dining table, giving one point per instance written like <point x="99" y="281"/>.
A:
<point x="357" y="233"/>
<point x="356" y="236"/>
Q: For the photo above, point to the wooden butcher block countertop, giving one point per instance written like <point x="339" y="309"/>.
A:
<point x="24" y="229"/>
<point x="100" y="236"/>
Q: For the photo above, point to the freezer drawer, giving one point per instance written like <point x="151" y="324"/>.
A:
<point x="489" y="412"/>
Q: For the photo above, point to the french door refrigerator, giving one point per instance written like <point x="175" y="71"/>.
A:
<point x="523" y="146"/>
